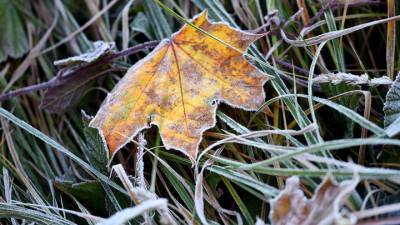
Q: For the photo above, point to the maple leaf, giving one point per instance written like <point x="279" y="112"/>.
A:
<point x="292" y="207"/>
<point x="178" y="86"/>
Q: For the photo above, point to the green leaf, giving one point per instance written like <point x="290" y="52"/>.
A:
<point x="95" y="151"/>
<point x="90" y="193"/>
<point x="392" y="104"/>
<point x="13" y="39"/>
<point x="141" y="24"/>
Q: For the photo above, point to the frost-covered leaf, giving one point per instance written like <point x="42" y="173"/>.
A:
<point x="392" y="104"/>
<point x="67" y="91"/>
<point x="90" y="193"/>
<point x="94" y="150"/>
<point x="176" y="86"/>
<point x="291" y="207"/>
<point x="13" y="39"/>
<point x="68" y="87"/>
<point x="99" y="49"/>
<point x="63" y="96"/>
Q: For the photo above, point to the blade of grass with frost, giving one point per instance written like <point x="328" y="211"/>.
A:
<point x="199" y="195"/>
<point x="58" y="147"/>
<point x="79" y="29"/>
<point x="136" y="192"/>
<point x="17" y="212"/>
<point x="246" y="134"/>
<point x="174" y="158"/>
<point x="365" y="94"/>
<point x="244" y="179"/>
<point x="367" y="173"/>
<point x="390" y="39"/>
<point x="238" y="201"/>
<point x="394" y="128"/>
<point x="217" y="10"/>
<point x="127" y="214"/>
<point x="19" y="171"/>
<point x="7" y="184"/>
<point x="160" y="25"/>
<point x="326" y="146"/>
<point x="338" y="57"/>
<point x="155" y="164"/>
<point x="309" y="89"/>
<point x="306" y="30"/>
<point x="341" y="109"/>
<point x="243" y="131"/>
<point x="338" y="50"/>
<point x="334" y="34"/>
<point x="23" y="144"/>
<point x="84" y="215"/>
<point x="177" y="185"/>
<point x="125" y="25"/>
<point x="364" y="172"/>
<point x="183" y="187"/>
<point x="28" y="144"/>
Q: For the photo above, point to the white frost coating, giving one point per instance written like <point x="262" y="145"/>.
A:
<point x="392" y="103"/>
<point x="127" y="214"/>
<point x="99" y="48"/>
<point x="95" y="123"/>
<point x="351" y="79"/>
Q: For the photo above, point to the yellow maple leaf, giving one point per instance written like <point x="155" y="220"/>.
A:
<point x="178" y="85"/>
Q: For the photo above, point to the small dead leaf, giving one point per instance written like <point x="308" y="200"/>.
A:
<point x="292" y="207"/>
<point x="71" y="82"/>
<point x="66" y="91"/>
<point x="178" y="85"/>
<point x="99" y="49"/>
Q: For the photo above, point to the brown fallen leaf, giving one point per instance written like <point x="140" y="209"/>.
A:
<point x="71" y="83"/>
<point x="291" y="207"/>
<point x="177" y="87"/>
